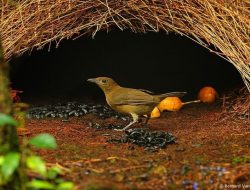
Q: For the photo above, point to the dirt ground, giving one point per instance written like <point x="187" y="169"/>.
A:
<point x="211" y="152"/>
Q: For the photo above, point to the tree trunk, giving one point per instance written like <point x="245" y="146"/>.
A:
<point x="8" y="134"/>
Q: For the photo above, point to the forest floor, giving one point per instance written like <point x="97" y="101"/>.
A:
<point x="212" y="151"/>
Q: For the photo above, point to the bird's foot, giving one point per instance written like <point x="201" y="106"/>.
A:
<point x="127" y="126"/>
<point x="120" y="129"/>
<point x="124" y="128"/>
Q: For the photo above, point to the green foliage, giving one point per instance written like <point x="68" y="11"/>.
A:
<point x="4" y="148"/>
<point x="45" y="141"/>
<point x="8" y="165"/>
<point x="65" y="186"/>
<point x="11" y="162"/>
<point x="36" y="164"/>
<point x="241" y="160"/>
<point x="53" y="172"/>
<point x="6" y="120"/>
<point x="39" y="184"/>
<point x="1" y="160"/>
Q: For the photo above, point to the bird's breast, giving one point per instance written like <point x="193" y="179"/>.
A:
<point x="137" y="109"/>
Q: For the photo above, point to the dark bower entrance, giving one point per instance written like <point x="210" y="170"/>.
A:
<point x="152" y="61"/>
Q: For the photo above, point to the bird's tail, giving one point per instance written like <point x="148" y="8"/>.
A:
<point x="170" y="94"/>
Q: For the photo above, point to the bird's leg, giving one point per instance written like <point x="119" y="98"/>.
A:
<point x="135" y="119"/>
<point x="146" y="121"/>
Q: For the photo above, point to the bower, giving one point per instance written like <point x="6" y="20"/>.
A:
<point x="209" y="44"/>
<point x="220" y="26"/>
<point x="153" y="61"/>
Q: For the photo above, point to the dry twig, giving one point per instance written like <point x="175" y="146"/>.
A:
<point x="237" y="106"/>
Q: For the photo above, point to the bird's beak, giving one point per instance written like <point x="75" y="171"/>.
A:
<point x="92" y="80"/>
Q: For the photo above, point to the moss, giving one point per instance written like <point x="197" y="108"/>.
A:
<point x="241" y="160"/>
<point x="8" y="133"/>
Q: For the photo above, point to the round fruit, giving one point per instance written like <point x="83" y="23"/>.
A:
<point x="207" y="94"/>
<point x="155" y="113"/>
<point x="170" y="104"/>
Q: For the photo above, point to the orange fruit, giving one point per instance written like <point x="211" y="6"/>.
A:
<point x="155" y="113"/>
<point x="170" y="104"/>
<point x="207" y="94"/>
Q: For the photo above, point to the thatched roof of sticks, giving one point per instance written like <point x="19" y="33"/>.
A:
<point x="222" y="26"/>
<point x="236" y="105"/>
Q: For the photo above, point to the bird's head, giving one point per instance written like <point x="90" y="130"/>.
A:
<point x="105" y="83"/>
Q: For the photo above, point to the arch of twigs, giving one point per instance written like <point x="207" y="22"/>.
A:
<point x="222" y="26"/>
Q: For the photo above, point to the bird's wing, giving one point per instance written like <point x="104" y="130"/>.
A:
<point x="147" y="91"/>
<point x="128" y="96"/>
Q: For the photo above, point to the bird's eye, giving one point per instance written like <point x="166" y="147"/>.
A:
<point x="104" y="81"/>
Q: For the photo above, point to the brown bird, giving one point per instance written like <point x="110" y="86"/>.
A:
<point x="134" y="102"/>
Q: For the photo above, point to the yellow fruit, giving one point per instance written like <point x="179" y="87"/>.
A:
<point x="170" y="104"/>
<point x="155" y="113"/>
<point x="207" y="94"/>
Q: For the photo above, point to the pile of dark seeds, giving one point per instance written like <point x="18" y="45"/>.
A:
<point x="98" y="126"/>
<point x="73" y="109"/>
<point x="150" y="140"/>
